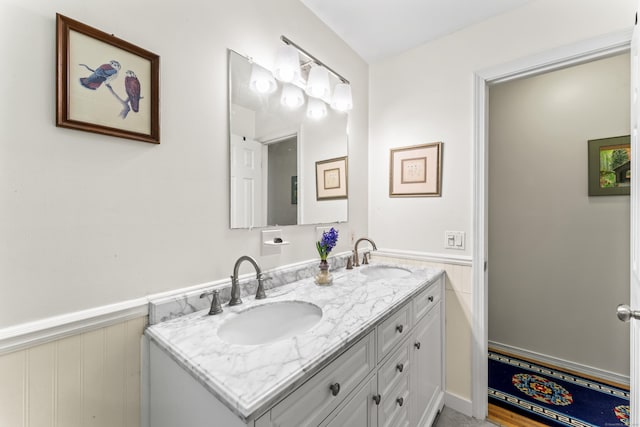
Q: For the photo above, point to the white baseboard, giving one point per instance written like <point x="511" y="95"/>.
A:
<point x="458" y="403"/>
<point x="561" y="363"/>
<point x="426" y="257"/>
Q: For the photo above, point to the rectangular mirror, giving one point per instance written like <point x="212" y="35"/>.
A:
<point x="274" y="156"/>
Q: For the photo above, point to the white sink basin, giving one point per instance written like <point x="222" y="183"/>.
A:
<point x="270" y="322"/>
<point x="376" y="272"/>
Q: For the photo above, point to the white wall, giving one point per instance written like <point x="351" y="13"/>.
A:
<point x="318" y="143"/>
<point x="559" y="258"/>
<point x="426" y="95"/>
<point x="87" y="220"/>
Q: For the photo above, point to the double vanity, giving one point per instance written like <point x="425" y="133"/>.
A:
<point x="365" y="351"/>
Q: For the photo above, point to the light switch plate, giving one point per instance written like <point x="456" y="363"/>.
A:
<point x="454" y="240"/>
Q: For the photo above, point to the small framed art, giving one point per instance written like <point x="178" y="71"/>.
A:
<point x="104" y="84"/>
<point x="331" y="179"/>
<point x="610" y="166"/>
<point x="416" y="171"/>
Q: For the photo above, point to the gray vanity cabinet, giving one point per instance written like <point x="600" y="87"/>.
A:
<point x="392" y="376"/>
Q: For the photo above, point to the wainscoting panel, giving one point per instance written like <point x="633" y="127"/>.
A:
<point x="89" y="379"/>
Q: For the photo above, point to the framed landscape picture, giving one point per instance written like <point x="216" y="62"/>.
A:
<point x="104" y="84"/>
<point x="416" y="171"/>
<point x="331" y="179"/>
<point x="610" y="166"/>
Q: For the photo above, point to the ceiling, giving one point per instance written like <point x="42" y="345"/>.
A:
<point x="378" y="29"/>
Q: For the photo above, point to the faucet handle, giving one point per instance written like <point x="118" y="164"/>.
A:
<point x="350" y="263"/>
<point x="216" y="307"/>
<point x="365" y="258"/>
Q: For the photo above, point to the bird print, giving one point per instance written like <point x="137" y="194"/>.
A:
<point x="103" y="74"/>
<point x="132" y="86"/>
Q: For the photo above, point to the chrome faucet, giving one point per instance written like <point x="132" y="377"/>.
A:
<point x="355" y="250"/>
<point x="235" y="287"/>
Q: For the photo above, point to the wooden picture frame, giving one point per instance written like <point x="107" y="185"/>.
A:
<point x="104" y="84"/>
<point x="416" y="171"/>
<point x="609" y="166"/>
<point x="331" y="179"/>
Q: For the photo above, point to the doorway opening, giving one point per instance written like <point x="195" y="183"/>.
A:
<point x="553" y="60"/>
<point x="559" y="256"/>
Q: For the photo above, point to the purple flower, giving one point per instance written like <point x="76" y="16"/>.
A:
<point x="328" y="242"/>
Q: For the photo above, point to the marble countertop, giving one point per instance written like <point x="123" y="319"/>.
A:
<point x="250" y="378"/>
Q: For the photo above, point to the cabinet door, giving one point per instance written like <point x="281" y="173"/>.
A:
<point x="359" y="411"/>
<point x="394" y="408"/>
<point x="426" y="377"/>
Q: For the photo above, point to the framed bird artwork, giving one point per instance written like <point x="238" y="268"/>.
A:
<point x="104" y="84"/>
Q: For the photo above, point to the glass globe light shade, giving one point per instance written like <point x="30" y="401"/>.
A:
<point x="292" y="96"/>
<point x="318" y="83"/>
<point x="342" y="100"/>
<point x="261" y="80"/>
<point x="287" y="67"/>
<point x="316" y="109"/>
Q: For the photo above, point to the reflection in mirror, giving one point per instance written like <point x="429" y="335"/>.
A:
<point x="273" y="154"/>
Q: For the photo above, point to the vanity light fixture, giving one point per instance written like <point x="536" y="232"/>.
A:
<point x="342" y="91"/>
<point x="316" y="108"/>
<point x="292" y="96"/>
<point x="261" y="80"/>
<point x="287" y="68"/>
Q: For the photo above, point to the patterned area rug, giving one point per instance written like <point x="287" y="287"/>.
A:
<point x="554" y="398"/>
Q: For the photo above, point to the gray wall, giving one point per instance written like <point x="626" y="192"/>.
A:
<point x="559" y="259"/>
<point x="283" y="164"/>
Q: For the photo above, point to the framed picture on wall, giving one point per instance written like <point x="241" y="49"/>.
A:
<point x="416" y="171"/>
<point x="610" y="166"/>
<point x="104" y="84"/>
<point x="331" y="179"/>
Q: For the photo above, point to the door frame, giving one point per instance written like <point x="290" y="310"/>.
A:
<point x="585" y="51"/>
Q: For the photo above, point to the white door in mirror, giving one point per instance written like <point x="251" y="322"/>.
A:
<point x="246" y="183"/>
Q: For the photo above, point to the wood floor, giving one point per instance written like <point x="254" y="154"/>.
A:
<point x="506" y="418"/>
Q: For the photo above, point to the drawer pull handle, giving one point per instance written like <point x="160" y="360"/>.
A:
<point x="400" y="401"/>
<point x="335" y="389"/>
<point x="430" y="298"/>
<point x="417" y="345"/>
<point x="400" y="367"/>
<point x="399" y="328"/>
<point x="376" y="399"/>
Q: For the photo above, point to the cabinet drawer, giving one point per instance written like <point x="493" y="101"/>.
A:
<point x="393" y="330"/>
<point x="394" y="369"/>
<point x="315" y="399"/>
<point x="425" y="300"/>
